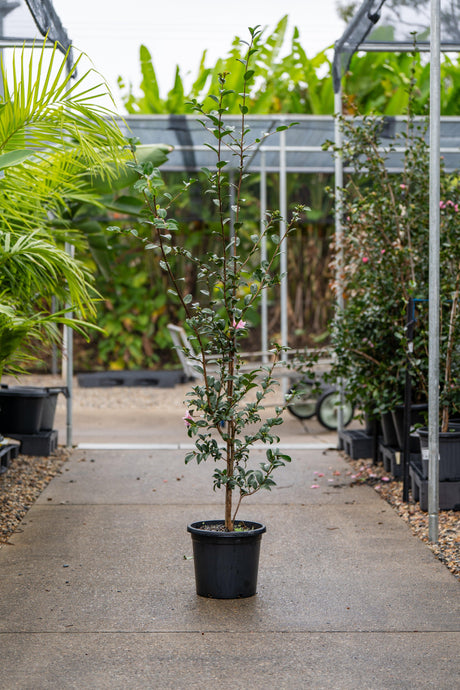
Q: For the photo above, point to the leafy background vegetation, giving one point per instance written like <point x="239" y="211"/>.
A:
<point x="135" y="310"/>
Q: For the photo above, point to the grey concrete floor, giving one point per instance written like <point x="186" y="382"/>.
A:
<point x="98" y="589"/>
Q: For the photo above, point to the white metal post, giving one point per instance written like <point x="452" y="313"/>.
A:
<point x="339" y="257"/>
<point x="67" y="364"/>
<point x="263" y="255"/>
<point x="434" y="282"/>
<point x="283" y="254"/>
<point x="67" y="351"/>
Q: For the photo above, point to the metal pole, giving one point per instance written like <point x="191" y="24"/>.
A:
<point x="54" y="356"/>
<point x="5" y="9"/>
<point x="339" y="258"/>
<point x="434" y="283"/>
<point x="263" y="255"/>
<point x="67" y="364"/>
<point x="283" y="254"/>
<point x="408" y="397"/>
<point x="67" y="353"/>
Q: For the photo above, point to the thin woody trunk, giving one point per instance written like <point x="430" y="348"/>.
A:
<point x="230" y="453"/>
<point x="450" y="347"/>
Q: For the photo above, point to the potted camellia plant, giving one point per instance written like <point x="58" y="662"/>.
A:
<point x="385" y="268"/>
<point x="449" y="426"/>
<point x="385" y="264"/>
<point x="224" y="409"/>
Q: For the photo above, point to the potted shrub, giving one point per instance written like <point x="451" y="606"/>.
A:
<point x="385" y="263"/>
<point x="224" y="409"/>
<point x="449" y="429"/>
<point x="386" y="250"/>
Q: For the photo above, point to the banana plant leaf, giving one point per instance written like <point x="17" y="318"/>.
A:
<point x="124" y="176"/>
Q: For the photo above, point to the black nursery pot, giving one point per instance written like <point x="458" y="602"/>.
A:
<point x="226" y="563"/>
<point x="28" y="409"/>
<point x="388" y="430"/>
<point x="449" y="453"/>
<point x="21" y="409"/>
<point x="417" y="416"/>
<point x="49" y="406"/>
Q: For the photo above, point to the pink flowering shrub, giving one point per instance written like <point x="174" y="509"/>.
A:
<point x="386" y="254"/>
<point x="224" y="408"/>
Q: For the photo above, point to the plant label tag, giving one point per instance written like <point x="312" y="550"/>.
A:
<point x="425" y="453"/>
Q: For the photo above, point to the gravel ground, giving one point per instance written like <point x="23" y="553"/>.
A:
<point x="21" y="485"/>
<point x="27" y="476"/>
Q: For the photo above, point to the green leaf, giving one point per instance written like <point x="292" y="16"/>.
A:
<point x="14" y="158"/>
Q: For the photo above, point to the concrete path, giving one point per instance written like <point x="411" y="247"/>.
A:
<point x="98" y="590"/>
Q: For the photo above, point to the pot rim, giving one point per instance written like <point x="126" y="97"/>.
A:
<point x="256" y="528"/>
<point x="455" y="429"/>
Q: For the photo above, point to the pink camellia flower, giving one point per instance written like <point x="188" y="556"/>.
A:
<point x="383" y="251"/>
<point x="365" y="259"/>
<point x="403" y="186"/>
<point x="187" y="418"/>
<point x="238" y="326"/>
<point x="442" y="204"/>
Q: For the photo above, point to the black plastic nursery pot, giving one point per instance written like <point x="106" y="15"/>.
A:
<point x="388" y="430"/>
<point x="28" y="409"/>
<point x="226" y="563"/>
<point x="21" y="409"/>
<point x="449" y="453"/>
<point x="418" y="414"/>
<point x="49" y="406"/>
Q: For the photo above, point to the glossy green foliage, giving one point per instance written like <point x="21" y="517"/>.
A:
<point x="134" y="312"/>
<point x="225" y="405"/>
<point x="288" y="81"/>
<point x="386" y="263"/>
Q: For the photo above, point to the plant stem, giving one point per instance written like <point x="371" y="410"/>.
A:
<point x="450" y="347"/>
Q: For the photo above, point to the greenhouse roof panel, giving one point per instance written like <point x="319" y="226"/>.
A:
<point x="299" y="148"/>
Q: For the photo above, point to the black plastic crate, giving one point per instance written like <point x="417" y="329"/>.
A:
<point x="449" y="492"/>
<point x="357" y="444"/>
<point x="41" y="444"/>
<point x="393" y="459"/>
<point x="108" y="379"/>
<point x="7" y="453"/>
<point x="389" y="458"/>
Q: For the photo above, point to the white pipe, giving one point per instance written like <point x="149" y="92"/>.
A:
<point x="339" y="258"/>
<point x="67" y="349"/>
<point x="283" y="254"/>
<point x="263" y="256"/>
<point x="67" y="364"/>
<point x="434" y="282"/>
